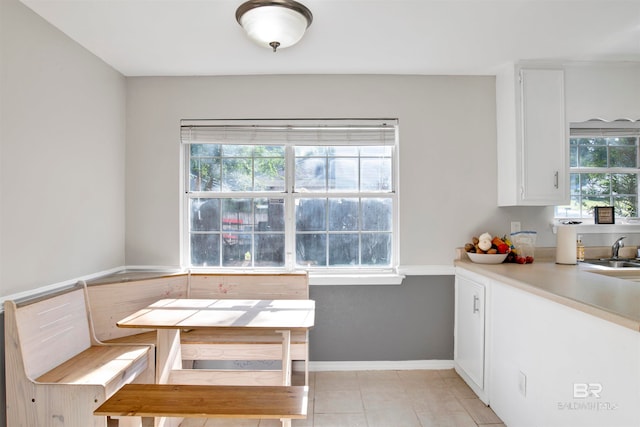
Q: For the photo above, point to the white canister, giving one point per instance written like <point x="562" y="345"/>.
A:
<point x="566" y="252"/>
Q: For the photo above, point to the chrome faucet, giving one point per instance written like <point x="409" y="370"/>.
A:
<point x="615" y="248"/>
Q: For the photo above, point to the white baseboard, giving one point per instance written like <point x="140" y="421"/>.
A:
<point x="375" y="365"/>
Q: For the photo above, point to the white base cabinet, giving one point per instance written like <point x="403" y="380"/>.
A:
<point x="469" y="331"/>
<point x="555" y="366"/>
<point x="541" y="363"/>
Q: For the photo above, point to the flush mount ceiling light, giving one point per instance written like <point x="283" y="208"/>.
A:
<point x="274" y="23"/>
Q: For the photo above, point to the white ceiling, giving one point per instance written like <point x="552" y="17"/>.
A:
<point x="189" y="37"/>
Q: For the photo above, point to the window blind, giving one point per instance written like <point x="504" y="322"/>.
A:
<point x="298" y="132"/>
<point x="597" y="128"/>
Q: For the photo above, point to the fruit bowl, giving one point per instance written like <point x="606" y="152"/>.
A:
<point x="487" y="258"/>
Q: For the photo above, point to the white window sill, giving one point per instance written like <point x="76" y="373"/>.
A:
<point x="355" y="279"/>
<point x="348" y="278"/>
<point x="390" y="278"/>
<point x="629" y="227"/>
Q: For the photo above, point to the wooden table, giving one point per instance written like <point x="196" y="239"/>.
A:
<point x="169" y="316"/>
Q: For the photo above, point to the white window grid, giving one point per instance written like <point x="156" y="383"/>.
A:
<point x="290" y="196"/>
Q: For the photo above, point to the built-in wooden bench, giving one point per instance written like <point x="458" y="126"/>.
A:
<point x="112" y="302"/>
<point x="265" y="345"/>
<point x="203" y="401"/>
<point x="57" y="373"/>
<point x="249" y="286"/>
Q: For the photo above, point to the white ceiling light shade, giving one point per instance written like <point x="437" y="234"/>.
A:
<point x="274" y="23"/>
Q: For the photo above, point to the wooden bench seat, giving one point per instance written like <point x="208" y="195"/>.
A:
<point x="108" y="366"/>
<point x="56" y="372"/>
<point x="205" y="401"/>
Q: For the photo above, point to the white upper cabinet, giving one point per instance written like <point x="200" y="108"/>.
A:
<point x="532" y="137"/>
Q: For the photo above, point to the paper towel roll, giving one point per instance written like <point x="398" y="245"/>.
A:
<point x="566" y="245"/>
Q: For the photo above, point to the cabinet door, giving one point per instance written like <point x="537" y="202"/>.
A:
<point x="544" y="137"/>
<point x="469" y="335"/>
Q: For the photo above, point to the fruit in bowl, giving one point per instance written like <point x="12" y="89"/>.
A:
<point x="487" y="258"/>
<point x="486" y="249"/>
<point x="485" y="244"/>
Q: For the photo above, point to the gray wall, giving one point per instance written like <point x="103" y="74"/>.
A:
<point x="62" y="147"/>
<point x="447" y="151"/>
<point x="413" y="321"/>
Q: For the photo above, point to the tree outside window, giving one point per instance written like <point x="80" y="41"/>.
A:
<point x="330" y="205"/>
<point x="603" y="172"/>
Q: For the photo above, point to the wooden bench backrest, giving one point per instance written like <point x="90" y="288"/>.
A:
<point x="112" y="302"/>
<point x="51" y="330"/>
<point x="249" y="286"/>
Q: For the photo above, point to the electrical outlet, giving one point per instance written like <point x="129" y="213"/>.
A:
<point x="515" y="226"/>
<point x="522" y="383"/>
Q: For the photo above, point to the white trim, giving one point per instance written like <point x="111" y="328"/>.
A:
<point x="382" y="365"/>
<point x="338" y="279"/>
<point x="631" y="226"/>
<point x="33" y="292"/>
<point x="143" y="268"/>
<point x="55" y="286"/>
<point x="427" y="270"/>
<point x="483" y="395"/>
<point x="355" y="279"/>
<point x="314" y="279"/>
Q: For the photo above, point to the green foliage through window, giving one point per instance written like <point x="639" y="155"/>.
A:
<point x="312" y="198"/>
<point x="603" y="172"/>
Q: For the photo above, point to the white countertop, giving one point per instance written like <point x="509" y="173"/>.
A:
<point x="577" y="286"/>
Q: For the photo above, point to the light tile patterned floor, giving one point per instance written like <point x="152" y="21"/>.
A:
<point x="417" y="398"/>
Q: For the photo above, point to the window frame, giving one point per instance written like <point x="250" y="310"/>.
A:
<point x="387" y="274"/>
<point x="600" y="129"/>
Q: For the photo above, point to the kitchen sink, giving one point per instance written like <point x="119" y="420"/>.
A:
<point x="627" y="269"/>
<point x="614" y="263"/>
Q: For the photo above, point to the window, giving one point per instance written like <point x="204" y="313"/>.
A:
<point x="313" y="194"/>
<point x="604" y="169"/>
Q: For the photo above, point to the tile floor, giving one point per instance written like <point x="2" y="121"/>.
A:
<point x="420" y="398"/>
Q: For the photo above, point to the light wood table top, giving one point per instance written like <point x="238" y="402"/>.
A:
<point x="223" y="313"/>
